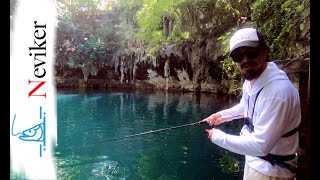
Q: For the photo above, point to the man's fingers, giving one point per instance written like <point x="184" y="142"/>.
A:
<point x="218" y="121"/>
<point x="207" y="120"/>
<point x="204" y="120"/>
<point x="208" y="134"/>
<point x="212" y="122"/>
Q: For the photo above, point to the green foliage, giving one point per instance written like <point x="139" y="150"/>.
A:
<point x="97" y="30"/>
<point x="230" y="74"/>
<point x="88" y="31"/>
<point x="174" y="22"/>
<point x="93" y="46"/>
<point x="150" y="17"/>
<point x="283" y="23"/>
<point x="228" y="163"/>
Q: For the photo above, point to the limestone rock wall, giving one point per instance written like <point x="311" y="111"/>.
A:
<point x="188" y="67"/>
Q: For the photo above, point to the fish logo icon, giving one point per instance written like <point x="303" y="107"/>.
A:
<point x="37" y="133"/>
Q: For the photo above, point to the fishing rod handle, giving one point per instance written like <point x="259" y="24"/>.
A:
<point x="202" y="122"/>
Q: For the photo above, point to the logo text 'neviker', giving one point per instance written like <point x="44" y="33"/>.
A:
<point x="38" y="52"/>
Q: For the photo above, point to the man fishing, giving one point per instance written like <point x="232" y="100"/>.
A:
<point x="270" y="105"/>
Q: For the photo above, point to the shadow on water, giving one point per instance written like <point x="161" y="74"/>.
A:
<point x="87" y="119"/>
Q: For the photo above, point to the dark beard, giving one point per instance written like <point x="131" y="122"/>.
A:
<point x="250" y="75"/>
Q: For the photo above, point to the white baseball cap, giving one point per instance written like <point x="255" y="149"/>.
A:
<point x="246" y="37"/>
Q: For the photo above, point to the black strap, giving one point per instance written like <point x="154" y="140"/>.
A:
<point x="248" y="122"/>
<point x="254" y="104"/>
<point x="279" y="160"/>
<point x="272" y="158"/>
<point x="251" y="128"/>
<point x="290" y="132"/>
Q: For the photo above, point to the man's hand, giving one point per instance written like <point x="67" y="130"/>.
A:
<point x="214" y="119"/>
<point x="209" y="132"/>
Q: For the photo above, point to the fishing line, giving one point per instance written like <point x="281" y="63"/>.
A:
<point x="154" y="131"/>
<point x="139" y="134"/>
<point x="158" y="130"/>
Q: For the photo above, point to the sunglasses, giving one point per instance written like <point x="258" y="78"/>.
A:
<point x="250" y="53"/>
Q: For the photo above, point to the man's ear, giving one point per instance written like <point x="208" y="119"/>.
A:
<point x="265" y="54"/>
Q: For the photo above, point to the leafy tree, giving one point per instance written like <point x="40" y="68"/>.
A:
<point x="286" y="24"/>
<point x="105" y="30"/>
<point x="87" y="32"/>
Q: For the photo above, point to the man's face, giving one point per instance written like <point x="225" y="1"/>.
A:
<point x="251" y="61"/>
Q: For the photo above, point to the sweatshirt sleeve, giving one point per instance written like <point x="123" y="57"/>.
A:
<point x="267" y="130"/>
<point x="235" y="110"/>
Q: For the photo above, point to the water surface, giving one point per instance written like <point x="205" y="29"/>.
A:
<point x="88" y="121"/>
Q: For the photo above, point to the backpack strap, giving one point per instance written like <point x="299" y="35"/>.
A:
<point x="279" y="160"/>
<point x="272" y="158"/>
<point x="290" y="133"/>
<point x="248" y="122"/>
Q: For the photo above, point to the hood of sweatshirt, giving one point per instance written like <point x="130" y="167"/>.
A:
<point x="271" y="73"/>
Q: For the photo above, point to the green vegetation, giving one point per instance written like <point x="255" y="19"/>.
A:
<point x="108" y="30"/>
<point x="287" y="24"/>
<point x="228" y="163"/>
<point x="95" y="31"/>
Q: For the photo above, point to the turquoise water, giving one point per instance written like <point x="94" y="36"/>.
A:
<point x="88" y="123"/>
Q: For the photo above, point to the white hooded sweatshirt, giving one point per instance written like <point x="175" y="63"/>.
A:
<point x="277" y="111"/>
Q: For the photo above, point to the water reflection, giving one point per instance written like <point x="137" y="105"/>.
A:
<point x="87" y="120"/>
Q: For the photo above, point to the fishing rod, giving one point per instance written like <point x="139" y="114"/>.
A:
<point x="224" y="118"/>
<point x="158" y="130"/>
